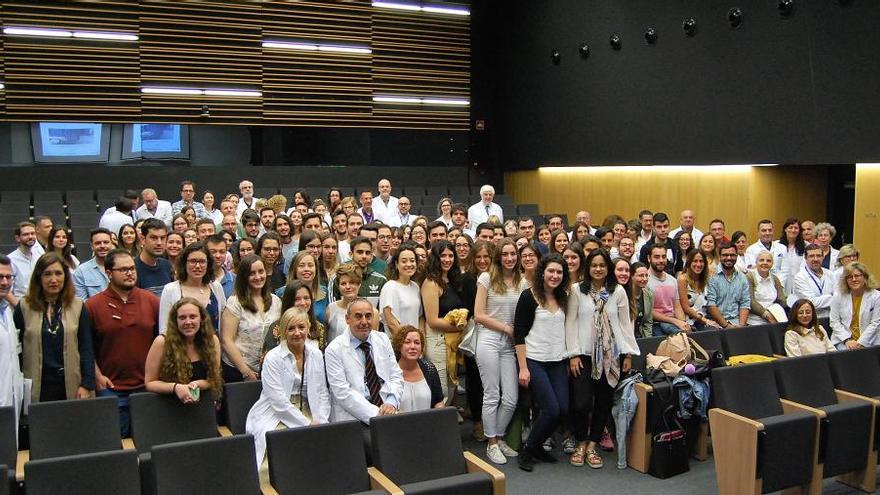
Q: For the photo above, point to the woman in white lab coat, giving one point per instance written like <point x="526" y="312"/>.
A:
<point x="855" y="309"/>
<point x="294" y="385"/>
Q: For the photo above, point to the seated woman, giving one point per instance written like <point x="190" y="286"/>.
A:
<point x="294" y="385"/>
<point x="692" y="284"/>
<point x="185" y="359"/>
<point x="855" y="312"/>
<point x="805" y="336"/>
<point x="765" y="290"/>
<point x="421" y="382"/>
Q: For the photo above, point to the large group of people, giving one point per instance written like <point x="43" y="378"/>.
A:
<point x="351" y="308"/>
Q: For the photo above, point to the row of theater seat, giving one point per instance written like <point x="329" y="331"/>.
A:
<point x="75" y="448"/>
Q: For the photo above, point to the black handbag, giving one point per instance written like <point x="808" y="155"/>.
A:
<point x="669" y="448"/>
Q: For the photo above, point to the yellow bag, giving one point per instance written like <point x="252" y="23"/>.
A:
<point x="749" y="359"/>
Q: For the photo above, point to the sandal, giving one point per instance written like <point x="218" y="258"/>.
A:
<point x="593" y="459"/>
<point x="577" y="457"/>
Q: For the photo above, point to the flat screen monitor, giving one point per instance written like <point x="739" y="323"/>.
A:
<point x="156" y="141"/>
<point x="70" y="142"/>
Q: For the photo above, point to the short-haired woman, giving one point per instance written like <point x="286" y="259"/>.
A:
<point x="855" y="309"/>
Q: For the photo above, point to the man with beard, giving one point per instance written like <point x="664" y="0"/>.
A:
<point x="153" y="270"/>
<point x="727" y="297"/>
<point x="90" y="278"/>
<point x="23" y="259"/>
<point x="667" y="313"/>
<point x="125" y="320"/>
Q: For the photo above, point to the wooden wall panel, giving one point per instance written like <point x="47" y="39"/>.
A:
<point x="866" y="220"/>
<point x="739" y="195"/>
<point x="218" y="44"/>
<point x="64" y="79"/>
<point x="317" y="88"/>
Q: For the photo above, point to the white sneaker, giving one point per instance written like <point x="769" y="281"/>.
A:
<point x="548" y="444"/>
<point x="506" y="449"/>
<point x="568" y="446"/>
<point x="493" y="452"/>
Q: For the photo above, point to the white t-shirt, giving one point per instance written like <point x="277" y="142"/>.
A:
<point x="252" y="328"/>
<point x="501" y="307"/>
<point x="405" y="302"/>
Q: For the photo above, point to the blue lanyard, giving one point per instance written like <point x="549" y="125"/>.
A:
<point x="815" y="281"/>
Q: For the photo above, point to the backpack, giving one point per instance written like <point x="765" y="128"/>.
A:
<point x="682" y="350"/>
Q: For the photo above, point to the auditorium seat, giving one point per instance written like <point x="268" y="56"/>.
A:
<point x="19" y="196"/>
<point x="747" y="340"/>
<point x="432" y="200"/>
<point x="102" y="473"/>
<point x="845" y="439"/>
<point x="238" y="398"/>
<point x="216" y="466"/>
<point x="760" y="442"/>
<point x="22" y="208"/>
<point x="262" y="192"/>
<point x="8" y="442"/>
<point x="96" y="427"/>
<point x="437" y="190"/>
<point x="440" y="466"/>
<point x="48" y="197"/>
<point x="75" y="195"/>
<point x="83" y="222"/>
<point x="776" y="332"/>
<point x="459" y="191"/>
<point x="527" y="210"/>
<point x="335" y="464"/>
<point x="410" y="191"/>
<point x="82" y="206"/>
<point x="858" y="372"/>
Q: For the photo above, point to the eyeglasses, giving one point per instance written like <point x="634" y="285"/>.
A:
<point x="124" y="269"/>
<point x="7" y="277"/>
<point x="197" y="262"/>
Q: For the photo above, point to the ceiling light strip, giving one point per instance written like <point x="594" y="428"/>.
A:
<point x="159" y="90"/>
<point x="430" y="8"/>
<point x="63" y="33"/>
<point x="459" y="102"/>
<point x="305" y="46"/>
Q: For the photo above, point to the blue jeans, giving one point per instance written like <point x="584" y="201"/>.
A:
<point x="662" y="328"/>
<point x="549" y="389"/>
<point x="122" y="400"/>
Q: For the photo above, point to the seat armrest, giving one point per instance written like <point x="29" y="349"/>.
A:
<point x="727" y="417"/>
<point x="224" y="431"/>
<point x="23" y="457"/>
<point x="790" y="406"/>
<point x="735" y="448"/>
<point x="477" y="465"/>
<point x="378" y="481"/>
<point x="268" y="489"/>
<point x="844" y="396"/>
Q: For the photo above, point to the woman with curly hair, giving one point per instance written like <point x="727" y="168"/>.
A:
<point x="185" y="359"/>
<point x="421" y="381"/>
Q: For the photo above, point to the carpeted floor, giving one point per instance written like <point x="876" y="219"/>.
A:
<point x="563" y="478"/>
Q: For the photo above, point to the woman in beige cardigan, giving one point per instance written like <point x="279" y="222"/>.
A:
<point x="56" y="334"/>
<point x="765" y="289"/>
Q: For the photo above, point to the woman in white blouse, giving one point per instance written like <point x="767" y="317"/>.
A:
<point x="195" y="279"/>
<point x="765" y="290"/>
<point x="600" y="340"/>
<point x="421" y="382"/>
<point x="793" y="259"/>
<point x="855" y="309"/>
<point x="294" y="385"/>
<point x="400" y="302"/>
<point x="497" y="293"/>
<point x="249" y="314"/>
<point x="805" y="336"/>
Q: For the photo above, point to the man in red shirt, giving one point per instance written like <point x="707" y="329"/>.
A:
<point x="125" y="320"/>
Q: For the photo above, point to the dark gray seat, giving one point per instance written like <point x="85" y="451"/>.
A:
<point x="646" y="345"/>
<point x="8" y="446"/>
<point x="15" y="196"/>
<point x="335" y="463"/>
<point x="785" y="443"/>
<point x="856" y="371"/>
<point x="845" y="434"/>
<point x="72" y="427"/>
<point x="399" y="441"/>
<point x="159" y="419"/>
<point x="101" y="473"/>
<point x="219" y="466"/>
<point x="708" y="339"/>
<point x="747" y="340"/>
<point x="238" y="398"/>
<point x="776" y="332"/>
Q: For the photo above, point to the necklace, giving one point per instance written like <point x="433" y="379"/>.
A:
<point x="52" y="324"/>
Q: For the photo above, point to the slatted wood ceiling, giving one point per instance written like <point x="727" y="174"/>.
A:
<point x="217" y="44"/>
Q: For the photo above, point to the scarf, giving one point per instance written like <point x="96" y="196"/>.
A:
<point x="604" y="348"/>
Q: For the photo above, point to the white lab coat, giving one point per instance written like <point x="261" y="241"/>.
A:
<point x="11" y="378"/>
<point x="345" y="375"/>
<point x="818" y="290"/>
<point x="869" y="318"/>
<point x="279" y="383"/>
<point x="384" y="212"/>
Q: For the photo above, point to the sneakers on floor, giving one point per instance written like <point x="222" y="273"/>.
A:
<point x="507" y="450"/>
<point x="493" y="452"/>
<point x="548" y="444"/>
<point x="525" y="460"/>
<point x="568" y="446"/>
<point x="605" y="443"/>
